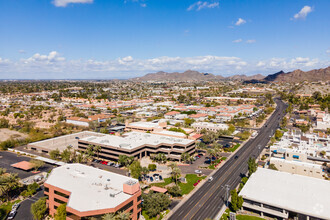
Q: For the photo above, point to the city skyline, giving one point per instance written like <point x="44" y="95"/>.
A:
<point x="84" y="39"/>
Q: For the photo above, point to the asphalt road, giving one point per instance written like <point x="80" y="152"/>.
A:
<point x="23" y="212"/>
<point x="207" y="201"/>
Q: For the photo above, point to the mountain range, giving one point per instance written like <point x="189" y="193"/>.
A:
<point x="289" y="77"/>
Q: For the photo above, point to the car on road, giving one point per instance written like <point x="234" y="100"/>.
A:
<point x="236" y="157"/>
<point x="198" y="171"/>
<point x="11" y="214"/>
<point x="210" y="179"/>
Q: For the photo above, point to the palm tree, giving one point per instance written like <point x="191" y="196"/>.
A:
<point x="97" y="148"/>
<point x="109" y="216"/>
<point x="90" y="150"/>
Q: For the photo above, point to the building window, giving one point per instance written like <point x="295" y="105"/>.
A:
<point x="139" y="198"/>
<point x="126" y="207"/>
<point x="58" y="201"/>
<point x="61" y="194"/>
<point x="46" y="189"/>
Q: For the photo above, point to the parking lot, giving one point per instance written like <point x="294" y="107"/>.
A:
<point x="9" y="158"/>
<point x="187" y="169"/>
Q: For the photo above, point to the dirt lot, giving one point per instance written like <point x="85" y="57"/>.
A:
<point x="6" y="134"/>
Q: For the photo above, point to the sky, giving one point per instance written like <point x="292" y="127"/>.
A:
<point x="106" y="39"/>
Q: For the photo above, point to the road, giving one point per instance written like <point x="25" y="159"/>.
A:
<point x="207" y="201"/>
<point x="23" y="212"/>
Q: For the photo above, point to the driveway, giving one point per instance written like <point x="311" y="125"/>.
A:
<point x="23" y="212"/>
<point x="7" y="158"/>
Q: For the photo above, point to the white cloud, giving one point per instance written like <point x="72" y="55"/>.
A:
<point x="251" y="41"/>
<point x="302" y="14"/>
<point x="64" y="3"/>
<point x="143" y="5"/>
<point x="240" y="21"/>
<point x="22" y="51"/>
<point x="52" y="57"/>
<point x="53" y="65"/>
<point x="328" y="51"/>
<point x="237" y="41"/>
<point x="201" y="5"/>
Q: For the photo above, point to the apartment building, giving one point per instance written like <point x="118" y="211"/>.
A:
<point x="144" y="126"/>
<point x="283" y="195"/>
<point x="199" y="126"/>
<point x="90" y="192"/>
<point x="138" y="145"/>
<point x="85" y="121"/>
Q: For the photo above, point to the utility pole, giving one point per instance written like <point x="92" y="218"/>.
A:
<point x="227" y="188"/>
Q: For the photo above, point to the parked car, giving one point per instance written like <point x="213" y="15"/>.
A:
<point x="160" y="178"/>
<point x="12" y="214"/>
<point x="207" y="161"/>
<point x="16" y="205"/>
<point x="156" y="178"/>
<point x="198" y="171"/>
<point x="110" y="164"/>
<point x="151" y="179"/>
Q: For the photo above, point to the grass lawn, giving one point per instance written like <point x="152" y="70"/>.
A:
<point x="6" y="208"/>
<point x="155" y="218"/>
<point x="247" y="217"/>
<point x="225" y="216"/>
<point x="163" y="184"/>
<point x="234" y="148"/>
<point x="186" y="188"/>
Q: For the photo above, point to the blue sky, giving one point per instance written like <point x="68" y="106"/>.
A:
<point x="125" y="38"/>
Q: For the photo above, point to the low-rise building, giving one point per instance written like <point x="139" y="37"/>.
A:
<point x="284" y="195"/>
<point x="199" y="126"/>
<point x="91" y="192"/>
<point x="138" y="145"/>
<point x="85" y="121"/>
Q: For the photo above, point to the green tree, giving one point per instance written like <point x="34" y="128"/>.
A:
<point x="175" y="191"/>
<point x="236" y="201"/>
<point x="155" y="203"/>
<point x="38" y="209"/>
<point x="36" y="164"/>
<point x="97" y="148"/>
<point x="252" y="165"/>
<point x="272" y="167"/>
<point x="66" y="155"/>
<point x="152" y="166"/>
<point x="61" y="212"/>
<point x="278" y="134"/>
<point x="135" y="169"/>
<point x="55" y="154"/>
<point x="185" y="157"/>
<point x="231" y="129"/>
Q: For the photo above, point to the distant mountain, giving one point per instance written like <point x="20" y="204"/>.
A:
<point x="299" y="76"/>
<point x="245" y="77"/>
<point x="191" y="75"/>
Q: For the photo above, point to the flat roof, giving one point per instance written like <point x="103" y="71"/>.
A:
<point x="90" y="187"/>
<point x="297" y="193"/>
<point x="23" y="165"/>
<point x="133" y="140"/>
<point x="295" y="162"/>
